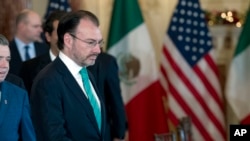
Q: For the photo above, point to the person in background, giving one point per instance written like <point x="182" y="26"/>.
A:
<point x="65" y="102"/>
<point x="25" y="44"/>
<point x="32" y="67"/>
<point x="105" y="72"/>
<point x="15" y="121"/>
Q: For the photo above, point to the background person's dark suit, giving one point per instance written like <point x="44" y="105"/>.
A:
<point x="105" y="71"/>
<point x="15" y="122"/>
<point x="15" y="80"/>
<point x="60" y="109"/>
<point x="31" y="68"/>
<point x="16" y="60"/>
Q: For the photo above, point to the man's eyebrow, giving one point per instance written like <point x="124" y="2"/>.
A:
<point x="89" y="39"/>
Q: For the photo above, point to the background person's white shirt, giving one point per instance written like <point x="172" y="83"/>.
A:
<point x="20" y="47"/>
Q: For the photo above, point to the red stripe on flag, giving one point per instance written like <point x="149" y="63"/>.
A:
<point x="209" y="87"/>
<point x="212" y="64"/>
<point x="189" y="112"/>
<point x="146" y="114"/>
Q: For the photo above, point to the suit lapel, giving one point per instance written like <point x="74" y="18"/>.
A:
<point x="14" y="51"/>
<point x="76" y="90"/>
<point x="4" y="102"/>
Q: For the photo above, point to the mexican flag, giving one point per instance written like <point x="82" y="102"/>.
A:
<point x="130" y="43"/>
<point x="238" y="83"/>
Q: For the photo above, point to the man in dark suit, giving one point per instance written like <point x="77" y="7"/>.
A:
<point x="65" y="104"/>
<point x="15" y="121"/>
<point x="106" y="75"/>
<point x="32" y="67"/>
<point x="25" y="45"/>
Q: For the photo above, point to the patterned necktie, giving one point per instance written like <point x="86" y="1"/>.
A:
<point x="27" y="56"/>
<point x="91" y="97"/>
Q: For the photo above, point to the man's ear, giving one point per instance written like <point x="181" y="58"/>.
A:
<point x="21" y="26"/>
<point x="47" y="36"/>
<point x="68" y="40"/>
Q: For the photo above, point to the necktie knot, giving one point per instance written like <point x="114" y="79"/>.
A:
<point x="84" y="73"/>
<point x="85" y="79"/>
<point x="26" y="47"/>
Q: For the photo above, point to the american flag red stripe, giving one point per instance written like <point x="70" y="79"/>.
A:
<point x="212" y="64"/>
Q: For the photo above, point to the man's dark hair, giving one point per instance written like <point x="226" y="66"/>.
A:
<point x="48" y="24"/>
<point x="69" y="23"/>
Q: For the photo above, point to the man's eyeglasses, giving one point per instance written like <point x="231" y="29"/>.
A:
<point x="90" y="44"/>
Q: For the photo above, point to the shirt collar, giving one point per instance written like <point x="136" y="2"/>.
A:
<point x="21" y="44"/>
<point x="52" y="56"/>
<point x="70" y="64"/>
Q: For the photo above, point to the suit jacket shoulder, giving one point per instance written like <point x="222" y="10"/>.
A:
<point x="15" y="121"/>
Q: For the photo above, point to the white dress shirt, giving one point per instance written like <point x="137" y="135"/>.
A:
<point x="52" y="56"/>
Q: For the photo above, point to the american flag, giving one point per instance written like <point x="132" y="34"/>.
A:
<point x="189" y="73"/>
<point x="53" y="5"/>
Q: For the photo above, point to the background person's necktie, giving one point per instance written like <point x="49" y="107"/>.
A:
<point x="91" y="97"/>
<point x="27" y="55"/>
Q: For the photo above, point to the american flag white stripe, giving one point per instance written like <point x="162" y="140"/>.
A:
<point x="202" y="96"/>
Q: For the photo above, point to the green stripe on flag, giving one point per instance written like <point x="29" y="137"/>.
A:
<point x="126" y="16"/>
<point x="244" y="39"/>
